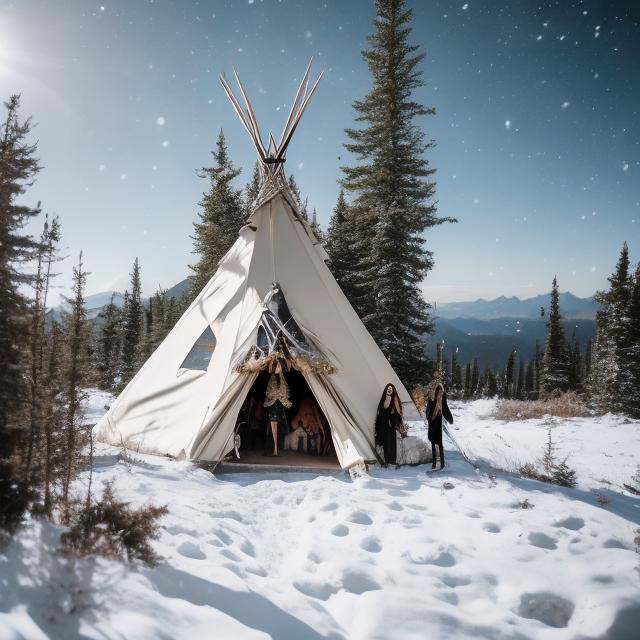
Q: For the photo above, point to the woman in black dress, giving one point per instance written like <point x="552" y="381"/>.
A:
<point x="388" y="422"/>
<point x="277" y="400"/>
<point x="436" y="408"/>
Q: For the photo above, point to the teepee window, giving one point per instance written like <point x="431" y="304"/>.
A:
<point x="200" y="355"/>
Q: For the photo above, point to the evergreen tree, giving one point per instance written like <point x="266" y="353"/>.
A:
<point x="520" y="385"/>
<point x="490" y="386"/>
<point x="342" y="246"/>
<point x="75" y="371"/>
<point x="629" y="351"/>
<point x="393" y="195"/>
<point x="467" y="381"/>
<point x="529" y="382"/>
<point x="295" y="190"/>
<point x="555" y="372"/>
<point x="537" y="366"/>
<point x="18" y="169"/>
<point x="108" y="350"/>
<point x="587" y="359"/>
<point x="220" y="219"/>
<point x="509" y="376"/>
<point x="316" y="228"/>
<point x="252" y="190"/>
<point x="132" y="327"/>
<point x="475" y="379"/>
<point x="456" y="376"/>
<point x="46" y="256"/>
<point x="604" y="381"/>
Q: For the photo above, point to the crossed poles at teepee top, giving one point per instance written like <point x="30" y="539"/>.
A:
<point x="273" y="157"/>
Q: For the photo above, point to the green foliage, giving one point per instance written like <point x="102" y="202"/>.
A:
<point x="132" y="313"/>
<point x="112" y="528"/>
<point x="18" y="169"/>
<point x="393" y="195"/>
<point x="555" y="365"/>
<point x="222" y="214"/>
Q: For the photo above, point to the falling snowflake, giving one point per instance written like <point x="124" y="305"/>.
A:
<point x="593" y="269"/>
<point x="123" y="176"/>
<point x="465" y="6"/>
<point x="300" y="165"/>
<point x="625" y="166"/>
<point x="539" y="37"/>
<point x="507" y="124"/>
<point x="565" y="104"/>
<point x="160" y="121"/>
<point x="102" y="167"/>
<point x="165" y="144"/>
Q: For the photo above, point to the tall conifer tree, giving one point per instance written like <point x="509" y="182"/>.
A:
<point x="132" y="326"/>
<point x="555" y="370"/>
<point x="18" y="169"/>
<point x="393" y="195"/>
<point x="221" y="216"/>
<point x="629" y="351"/>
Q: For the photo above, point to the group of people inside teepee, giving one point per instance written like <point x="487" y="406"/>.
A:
<point x="308" y="431"/>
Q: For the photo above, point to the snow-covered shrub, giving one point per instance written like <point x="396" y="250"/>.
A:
<point x="554" y="472"/>
<point x="563" y="475"/>
<point x="112" y="528"/>
<point x="563" y="405"/>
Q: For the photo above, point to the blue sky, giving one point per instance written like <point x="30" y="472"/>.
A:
<point x="537" y="128"/>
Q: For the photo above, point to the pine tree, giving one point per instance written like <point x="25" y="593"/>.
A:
<point x="75" y="371"/>
<point x="46" y="257"/>
<point x="509" y="375"/>
<point x="555" y="371"/>
<point x="108" y="351"/>
<point x="316" y="228"/>
<point x="339" y="245"/>
<point x="252" y="190"/>
<point x="604" y="381"/>
<point x="537" y="366"/>
<point x="18" y="169"/>
<point x="220" y="219"/>
<point x="456" y="375"/>
<point x="629" y="353"/>
<point x="520" y="392"/>
<point x="467" y="381"/>
<point x="393" y="202"/>
<point x="475" y="379"/>
<point x="295" y="190"/>
<point x="132" y="327"/>
<point x="529" y="383"/>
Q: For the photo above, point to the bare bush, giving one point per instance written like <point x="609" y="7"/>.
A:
<point x="564" y="405"/>
<point x="112" y="528"/>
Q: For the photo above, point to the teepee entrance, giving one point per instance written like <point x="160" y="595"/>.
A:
<point x="303" y="438"/>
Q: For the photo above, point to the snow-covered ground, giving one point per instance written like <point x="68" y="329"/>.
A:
<point x="396" y="554"/>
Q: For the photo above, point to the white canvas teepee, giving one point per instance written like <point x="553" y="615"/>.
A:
<point x="272" y="293"/>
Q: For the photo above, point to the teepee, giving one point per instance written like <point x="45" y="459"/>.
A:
<point x="272" y="296"/>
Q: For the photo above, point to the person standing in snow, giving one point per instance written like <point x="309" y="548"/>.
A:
<point x="388" y="423"/>
<point x="276" y="401"/>
<point x="437" y="407"/>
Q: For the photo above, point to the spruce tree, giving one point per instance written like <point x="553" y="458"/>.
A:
<point x="520" y="385"/>
<point x="456" y="375"/>
<point x="132" y="327"/>
<point x="108" y="350"/>
<point x="475" y="379"/>
<point x="629" y="354"/>
<point x="295" y="190"/>
<point x="75" y="370"/>
<point x="509" y="373"/>
<point x="467" y="381"/>
<point x="604" y="380"/>
<point x="339" y="245"/>
<point x="18" y="169"/>
<point x="252" y="190"/>
<point x="220" y="219"/>
<point x="555" y="371"/>
<point x="393" y="195"/>
<point x="315" y="227"/>
<point x="529" y="382"/>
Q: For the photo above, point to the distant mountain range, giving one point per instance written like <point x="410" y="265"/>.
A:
<point x="571" y="307"/>
<point x="485" y="329"/>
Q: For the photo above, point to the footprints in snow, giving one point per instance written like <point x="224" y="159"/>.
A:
<point x="542" y="540"/>
<point x="191" y="550"/>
